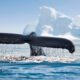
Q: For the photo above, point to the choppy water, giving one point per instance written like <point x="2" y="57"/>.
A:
<point x="15" y="64"/>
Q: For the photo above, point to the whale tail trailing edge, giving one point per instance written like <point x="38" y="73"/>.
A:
<point x="33" y="40"/>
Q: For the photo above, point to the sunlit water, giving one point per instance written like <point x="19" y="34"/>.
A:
<point x="16" y="64"/>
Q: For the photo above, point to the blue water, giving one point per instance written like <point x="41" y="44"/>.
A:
<point x="46" y="69"/>
<point x="39" y="71"/>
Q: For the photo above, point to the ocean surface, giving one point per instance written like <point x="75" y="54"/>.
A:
<point x="16" y="63"/>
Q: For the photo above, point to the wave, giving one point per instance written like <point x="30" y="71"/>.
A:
<point x="38" y="59"/>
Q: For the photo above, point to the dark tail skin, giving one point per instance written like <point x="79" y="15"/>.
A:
<point x="52" y="42"/>
<point x="33" y="40"/>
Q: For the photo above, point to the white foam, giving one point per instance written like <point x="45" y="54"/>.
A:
<point x="37" y="59"/>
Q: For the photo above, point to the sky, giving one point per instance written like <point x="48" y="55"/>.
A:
<point x="16" y="14"/>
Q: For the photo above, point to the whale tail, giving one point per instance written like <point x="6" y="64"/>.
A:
<point x="33" y="40"/>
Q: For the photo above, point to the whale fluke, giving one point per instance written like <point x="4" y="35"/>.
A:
<point x="33" y="40"/>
